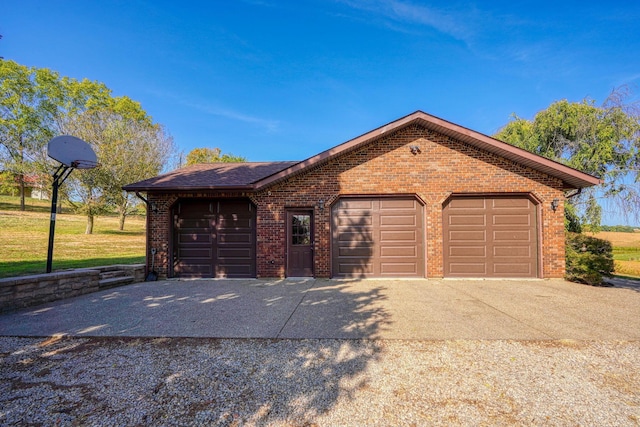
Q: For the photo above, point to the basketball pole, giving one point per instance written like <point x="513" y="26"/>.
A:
<point x="61" y="174"/>
<point x="72" y="153"/>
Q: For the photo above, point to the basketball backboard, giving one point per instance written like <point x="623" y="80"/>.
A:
<point x="72" y="152"/>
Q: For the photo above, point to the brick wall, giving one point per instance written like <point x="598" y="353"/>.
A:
<point x="384" y="167"/>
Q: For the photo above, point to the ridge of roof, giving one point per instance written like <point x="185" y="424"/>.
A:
<point x="572" y="178"/>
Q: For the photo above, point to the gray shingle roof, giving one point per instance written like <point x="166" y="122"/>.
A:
<point x="210" y="176"/>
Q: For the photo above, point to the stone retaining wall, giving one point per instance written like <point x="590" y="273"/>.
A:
<point x="26" y="291"/>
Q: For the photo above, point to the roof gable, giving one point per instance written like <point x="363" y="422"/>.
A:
<point x="571" y="178"/>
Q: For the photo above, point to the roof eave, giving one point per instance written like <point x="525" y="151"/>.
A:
<point x="572" y="178"/>
<point x="188" y="188"/>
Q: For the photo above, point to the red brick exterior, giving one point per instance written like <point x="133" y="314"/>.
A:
<point x="386" y="166"/>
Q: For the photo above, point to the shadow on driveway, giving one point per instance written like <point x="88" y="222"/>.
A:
<point x="212" y="308"/>
<point x="341" y="309"/>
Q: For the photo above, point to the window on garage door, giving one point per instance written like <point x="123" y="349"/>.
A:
<point x="214" y="238"/>
<point x="377" y="237"/>
<point x="490" y="236"/>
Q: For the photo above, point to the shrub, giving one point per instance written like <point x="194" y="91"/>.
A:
<point x="588" y="259"/>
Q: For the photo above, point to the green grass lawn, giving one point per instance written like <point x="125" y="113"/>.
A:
<point x="24" y="239"/>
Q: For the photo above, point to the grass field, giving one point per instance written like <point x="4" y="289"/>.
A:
<point x="24" y="239"/>
<point x="626" y="251"/>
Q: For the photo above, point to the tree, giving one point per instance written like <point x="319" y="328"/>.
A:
<point x="28" y="104"/>
<point x="129" y="146"/>
<point x="8" y="184"/>
<point x="37" y="104"/>
<point x="600" y="140"/>
<point x="211" y="155"/>
<point x="137" y="151"/>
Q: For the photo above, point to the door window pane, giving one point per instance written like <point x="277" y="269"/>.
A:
<point x="301" y="229"/>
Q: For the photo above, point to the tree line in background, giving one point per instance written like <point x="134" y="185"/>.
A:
<point x="617" y="228"/>
<point x="211" y="155"/>
<point x="37" y="104"/>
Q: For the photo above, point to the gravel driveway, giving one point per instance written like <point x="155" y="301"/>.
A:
<point x="230" y="382"/>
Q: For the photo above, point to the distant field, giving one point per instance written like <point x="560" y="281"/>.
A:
<point x="24" y="239"/>
<point x="620" y="239"/>
<point x="626" y="251"/>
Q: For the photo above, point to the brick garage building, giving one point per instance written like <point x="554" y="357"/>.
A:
<point x="418" y="197"/>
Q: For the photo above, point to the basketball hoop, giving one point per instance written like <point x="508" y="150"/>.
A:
<point x="84" y="164"/>
<point x="72" y="153"/>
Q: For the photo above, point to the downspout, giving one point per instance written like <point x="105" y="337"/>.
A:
<point x="570" y="195"/>
<point x="146" y="246"/>
<point x="146" y="202"/>
<point x="578" y="191"/>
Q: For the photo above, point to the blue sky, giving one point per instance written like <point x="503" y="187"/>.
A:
<point x="284" y="80"/>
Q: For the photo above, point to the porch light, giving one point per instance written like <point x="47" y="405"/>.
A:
<point x="554" y="204"/>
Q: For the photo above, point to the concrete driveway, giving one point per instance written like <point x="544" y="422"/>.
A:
<point x="318" y="308"/>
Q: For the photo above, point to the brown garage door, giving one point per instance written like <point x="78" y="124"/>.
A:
<point x="377" y="237"/>
<point x="490" y="237"/>
<point x="214" y="238"/>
